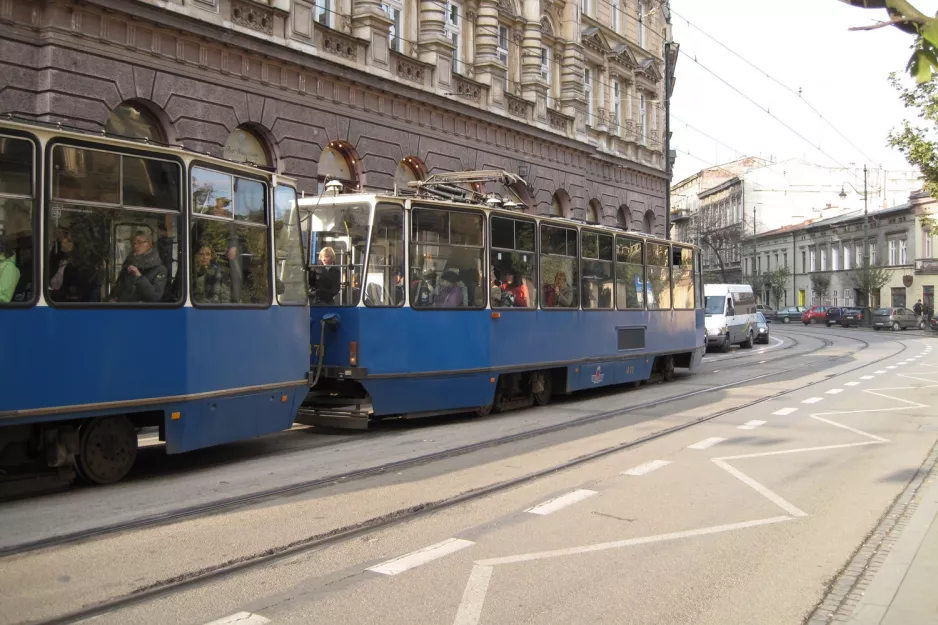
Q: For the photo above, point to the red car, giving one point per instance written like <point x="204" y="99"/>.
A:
<point x="815" y="314"/>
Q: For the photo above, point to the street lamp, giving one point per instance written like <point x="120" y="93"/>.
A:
<point x="866" y="233"/>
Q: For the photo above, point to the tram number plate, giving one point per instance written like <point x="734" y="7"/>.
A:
<point x="630" y="370"/>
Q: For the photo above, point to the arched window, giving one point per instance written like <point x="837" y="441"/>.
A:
<point x="244" y="146"/>
<point x="339" y="161"/>
<point x="410" y="169"/>
<point x="556" y="210"/>
<point x="648" y="222"/>
<point x="593" y="211"/>
<point x="624" y="218"/>
<point x="130" y="119"/>
<point x="560" y="204"/>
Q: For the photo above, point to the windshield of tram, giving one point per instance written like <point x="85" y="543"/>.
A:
<point x="291" y="277"/>
<point x="338" y="235"/>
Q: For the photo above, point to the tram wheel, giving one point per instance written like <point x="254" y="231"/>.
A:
<point x="667" y="373"/>
<point x="542" y="381"/>
<point x="107" y="449"/>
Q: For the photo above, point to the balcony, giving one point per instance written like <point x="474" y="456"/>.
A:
<point x="926" y="265"/>
<point x="680" y="214"/>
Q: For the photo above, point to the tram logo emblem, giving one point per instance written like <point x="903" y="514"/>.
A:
<point x="598" y="376"/>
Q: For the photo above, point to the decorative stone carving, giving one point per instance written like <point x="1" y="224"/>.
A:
<point x="517" y="106"/>
<point x="558" y="121"/>
<point x="546" y="27"/>
<point x="518" y="36"/>
<point x="471" y="15"/>
<point x="467" y="89"/>
<point x="253" y="17"/>
<point x="341" y="45"/>
<point x="505" y="6"/>
<point x="408" y="69"/>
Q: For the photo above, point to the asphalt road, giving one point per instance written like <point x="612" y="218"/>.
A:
<point x="742" y="518"/>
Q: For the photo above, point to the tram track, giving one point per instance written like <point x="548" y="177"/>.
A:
<point x="258" y="497"/>
<point x="192" y="580"/>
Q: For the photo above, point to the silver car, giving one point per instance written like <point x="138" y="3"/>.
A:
<point x="894" y="318"/>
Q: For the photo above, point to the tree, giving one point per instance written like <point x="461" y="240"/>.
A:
<point x="869" y="278"/>
<point x="726" y="242"/>
<point x="904" y="16"/>
<point x="777" y="283"/>
<point x="821" y="284"/>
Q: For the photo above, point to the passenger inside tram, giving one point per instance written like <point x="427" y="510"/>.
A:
<point x="208" y="283"/>
<point x="143" y="275"/>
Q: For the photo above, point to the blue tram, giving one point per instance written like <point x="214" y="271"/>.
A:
<point x="449" y="300"/>
<point x="142" y="286"/>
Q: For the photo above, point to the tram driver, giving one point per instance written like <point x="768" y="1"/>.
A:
<point x="143" y="274"/>
<point x="324" y="279"/>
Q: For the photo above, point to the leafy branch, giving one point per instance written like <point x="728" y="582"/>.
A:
<point x="903" y="15"/>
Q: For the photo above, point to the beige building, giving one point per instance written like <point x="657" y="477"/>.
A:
<point x="568" y="94"/>
<point x="833" y="249"/>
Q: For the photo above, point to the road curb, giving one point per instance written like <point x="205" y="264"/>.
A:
<point x="847" y="587"/>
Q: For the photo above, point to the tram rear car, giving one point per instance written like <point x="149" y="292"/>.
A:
<point x="157" y="288"/>
<point x="428" y="307"/>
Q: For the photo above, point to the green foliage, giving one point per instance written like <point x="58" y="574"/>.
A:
<point x="904" y="16"/>
<point x="821" y="284"/>
<point x="869" y="278"/>
<point x="777" y="282"/>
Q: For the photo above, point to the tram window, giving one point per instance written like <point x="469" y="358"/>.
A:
<point x="102" y="251"/>
<point x="17" y="267"/>
<point x="250" y="204"/>
<point x="84" y="175"/>
<point x="150" y="183"/>
<point x="290" y="273"/>
<point x="384" y="280"/>
<point x="597" y="283"/>
<point x="512" y="271"/>
<point x="338" y="234"/>
<point x="211" y="193"/>
<point x="658" y="276"/>
<point x="559" y="267"/>
<point x="683" y="277"/>
<point x="446" y="257"/>
<point x="630" y="274"/>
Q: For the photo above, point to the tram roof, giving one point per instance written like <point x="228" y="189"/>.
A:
<point x="60" y="129"/>
<point x="310" y="202"/>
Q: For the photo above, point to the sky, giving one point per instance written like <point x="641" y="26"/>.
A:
<point x="804" y="44"/>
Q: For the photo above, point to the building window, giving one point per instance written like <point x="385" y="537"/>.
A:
<point x="324" y="12"/>
<point x="586" y="7"/>
<point x="836" y="301"/>
<point x="846" y="256"/>
<point x="546" y="74"/>
<point x="758" y="265"/>
<point x="928" y="245"/>
<point x="835" y="259"/>
<point x="624" y="218"/>
<point x="588" y="91"/>
<point x="244" y="146"/>
<point x="641" y="23"/>
<point x="394" y="11"/>
<point x="503" y="54"/>
<point x="872" y="253"/>
<point x="804" y="264"/>
<point x="338" y="162"/>
<point x="614" y="8"/>
<point x="898" y="297"/>
<point x="903" y="252"/>
<point x="746" y="265"/>
<point x="644" y="119"/>
<point x="858" y="248"/>
<point x="410" y="169"/>
<point x="617" y="102"/>
<point x="132" y="120"/>
<point x="593" y="211"/>
<point x="785" y="259"/>
<point x="823" y="260"/>
<point x="453" y="30"/>
<point x="893" y="256"/>
<point x="813" y="260"/>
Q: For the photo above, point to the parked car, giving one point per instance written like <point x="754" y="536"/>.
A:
<point x="768" y="311"/>
<point x="894" y="318"/>
<point x="788" y="314"/>
<point x="762" y="331"/>
<point x="834" y="316"/>
<point x="852" y="317"/>
<point x="815" y="314"/>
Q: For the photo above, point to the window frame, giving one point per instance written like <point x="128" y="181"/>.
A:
<point x="182" y="213"/>
<point x="693" y="272"/>
<point x="546" y="223"/>
<point x="537" y="259"/>
<point x="37" y="192"/>
<point x="670" y="269"/>
<point x="303" y="252"/>
<point x="453" y="32"/>
<point x="395" y="40"/>
<point x="581" y="259"/>
<point x="268" y="224"/>
<point x="644" y="242"/>
<point x="409" y="241"/>
<point x="588" y="92"/>
<point x="503" y="54"/>
<point x="405" y="243"/>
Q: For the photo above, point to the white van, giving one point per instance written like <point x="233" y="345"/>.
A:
<point x="730" y="315"/>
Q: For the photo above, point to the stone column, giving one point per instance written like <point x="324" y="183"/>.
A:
<point x="571" y="99"/>
<point x="601" y="91"/>
<point x="434" y="47"/>
<point x="370" y="22"/>
<point x="488" y="69"/>
<point x="533" y="88"/>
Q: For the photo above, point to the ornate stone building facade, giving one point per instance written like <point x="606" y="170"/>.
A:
<point x="568" y="94"/>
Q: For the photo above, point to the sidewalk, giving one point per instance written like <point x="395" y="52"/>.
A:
<point x="904" y="591"/>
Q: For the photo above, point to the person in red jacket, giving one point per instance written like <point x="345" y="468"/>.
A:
<point x="516" y="286"/>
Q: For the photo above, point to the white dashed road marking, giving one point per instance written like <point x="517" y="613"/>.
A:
<point x="750" y="425"/>
<point x="422" y="556"/>
<point x="880" y="371"/>
<point x="646" y="468"/>
<point x="812" y="400"/>
<point x="851" y="383"/>
<point x="241" y="618"/>
<point x="835" y="391"/>
<point x="891" y="367"/>
<point x="707" y="443"/>
<point x="866" y="377"/>
<point x="561" y="502"/>
<point x="785" y="411"/>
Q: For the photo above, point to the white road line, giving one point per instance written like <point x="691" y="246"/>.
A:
<point x="785" y="411"/>
<point x="241" y="618"/>
<point x="812" y="400"/>
<point x="851" y="383"/>
<point x="759" y="488"/>
<point x="866" y="377"/>
<point x="891" y="367"/>
<point x="421" y="556"/>
<point x="880" y="371"/>
<point x="703" y="531"/>
<point x="761" y="362"/>
<point x="879" y="439"/>
<point x="707" y="442"/>
<point x="716" y="371"/>
<point x="835" y="391"/>
<point x="561" y="502"/>
<point x="648" y="467"/>
<point x="750" y="425"/>
<point x="473" y="598"/>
